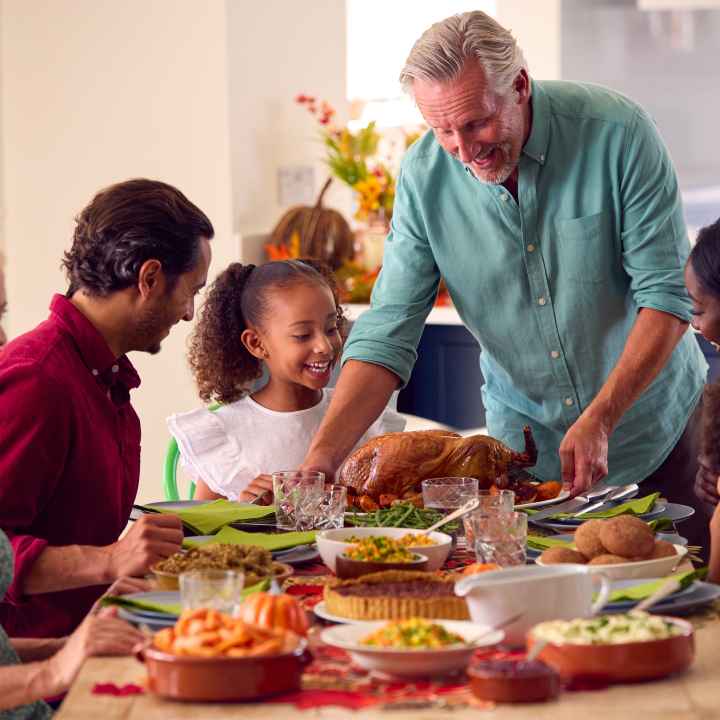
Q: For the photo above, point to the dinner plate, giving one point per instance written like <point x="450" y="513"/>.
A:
<point x="151" y="622"/>
<point x="623" y="605"/>
<point x="659" y="510"/>
<point x="164" y="597"/>
<point x="564" y="494"/>
<point x="297" y="555"/>
<point x="176" y="504"/>
<point x="701" y="594"/>
<point x="321" y="611"/>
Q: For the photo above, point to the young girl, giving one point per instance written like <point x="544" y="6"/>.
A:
<point x="283" y="317"/>
<point x="702" y="277"/>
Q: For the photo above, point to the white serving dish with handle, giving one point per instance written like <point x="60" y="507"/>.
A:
<point x="536" y="593"/>
<point x="659" y="567"/>
<point x="331" y="543"/>
<point x="412" y="662"/>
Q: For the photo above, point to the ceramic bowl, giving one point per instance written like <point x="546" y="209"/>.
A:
<point x="169" y="581"/>
<point x="411" y="663"/>
<point x="223" y="679"/>
<point x="346" y="568"/>
<point x="331" y="543"/>
<point x="639" y="569"/>
<point x="624" y="662"/>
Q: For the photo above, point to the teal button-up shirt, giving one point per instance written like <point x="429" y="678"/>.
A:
<point x="550" y="286"/>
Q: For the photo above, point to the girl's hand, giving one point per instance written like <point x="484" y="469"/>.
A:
<point x="98" y="634"/>
<point x="259" y="491"/>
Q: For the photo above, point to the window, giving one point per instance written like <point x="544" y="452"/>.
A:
<point x="380" y="35"/>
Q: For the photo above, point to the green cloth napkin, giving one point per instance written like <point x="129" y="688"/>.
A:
<point x="207" y="519"/>
<point x="168" y="608"/>
<point x="640" y="592"/>
<point x="636" y="506"/>
<point x="538" y="542"/>
<point x="269" y="541"/>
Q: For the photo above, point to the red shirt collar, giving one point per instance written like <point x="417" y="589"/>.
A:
<point x="92" y="346"/>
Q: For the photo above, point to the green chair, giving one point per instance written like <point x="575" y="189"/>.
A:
<point x="170" y="468"/>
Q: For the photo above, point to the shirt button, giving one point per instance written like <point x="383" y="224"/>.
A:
<point x="568" y="401"/>
<point x="531" y="248"/>
<point x="554" y="354"/>
<point x="542" y="158"/>
<point x="115" y="368"/>
<point x="503" y="197"/>
<point x="541" y="301"/>
<point x="95" y="372"/>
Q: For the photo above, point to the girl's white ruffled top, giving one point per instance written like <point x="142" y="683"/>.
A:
<point x="229" y="447"/>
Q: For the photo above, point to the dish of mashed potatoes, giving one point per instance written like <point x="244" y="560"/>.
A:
<point x="607" y="629"/>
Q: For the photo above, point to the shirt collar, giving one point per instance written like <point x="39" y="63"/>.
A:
<point x="92" y="346"/>
<point x="537" y="144"/>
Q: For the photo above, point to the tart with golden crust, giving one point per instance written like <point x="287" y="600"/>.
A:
<point x="396" y="595"/>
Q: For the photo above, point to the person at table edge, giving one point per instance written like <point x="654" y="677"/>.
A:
<point x="69" y="438"/>
<point x="552" y="211"/>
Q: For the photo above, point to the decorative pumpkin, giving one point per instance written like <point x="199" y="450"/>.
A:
<point x="322" y="233"/>
<point x="274" y="611"/>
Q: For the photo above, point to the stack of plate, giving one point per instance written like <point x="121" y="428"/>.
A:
<point x="150" y="618"/>
<point x="684" y="601"/>
<point x="672" y="511"/>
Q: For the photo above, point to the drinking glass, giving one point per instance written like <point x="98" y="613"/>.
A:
<point x="500" y="538"/>
<point x="217" y="589"/>
<point x="295" y="489"/>
<point x="449" y="493"/>
<point x="331" y="512"/>
<point x="489" y="503"/>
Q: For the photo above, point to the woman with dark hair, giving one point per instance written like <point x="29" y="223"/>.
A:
<point x="702" y="277"/>
<point x="284" y="317"/>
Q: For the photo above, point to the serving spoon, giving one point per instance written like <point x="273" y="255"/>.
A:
<point x="469" y="506"/>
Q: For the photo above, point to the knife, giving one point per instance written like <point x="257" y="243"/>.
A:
<point x="617" y="494"/>
<point x="570" y="506"/>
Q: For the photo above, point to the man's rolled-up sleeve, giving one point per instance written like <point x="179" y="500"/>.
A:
<point x="389" y="332"/>
<point x="654" y="238"/>
<point x="33" y="439"/>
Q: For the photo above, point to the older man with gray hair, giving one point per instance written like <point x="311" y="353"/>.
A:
<point x="552" y="211"/>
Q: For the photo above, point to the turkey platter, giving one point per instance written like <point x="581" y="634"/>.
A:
<point x="391" y="467"/>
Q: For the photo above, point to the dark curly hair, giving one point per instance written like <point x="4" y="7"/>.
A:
<point x="705" y="258"/>
<point x="239" y="298"/>
<point x="126" y="224"/>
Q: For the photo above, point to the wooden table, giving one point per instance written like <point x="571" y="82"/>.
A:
<point x="693" y="695"/>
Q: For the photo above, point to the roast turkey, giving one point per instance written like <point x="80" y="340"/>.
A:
<point x="392" y="466"/>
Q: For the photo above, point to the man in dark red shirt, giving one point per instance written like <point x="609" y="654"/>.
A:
<point x="69" y="437"/>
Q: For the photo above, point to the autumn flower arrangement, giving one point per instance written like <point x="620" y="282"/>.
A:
<point x="353" y="158"/>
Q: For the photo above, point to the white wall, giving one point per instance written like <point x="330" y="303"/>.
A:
<point x="537" y="28"/>
<point x="278" y="49"/>
<point x="97" y="91"/>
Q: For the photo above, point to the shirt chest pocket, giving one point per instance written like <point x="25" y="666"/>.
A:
<point x="586" y="248"/>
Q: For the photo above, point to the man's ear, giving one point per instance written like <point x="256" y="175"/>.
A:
<point x="521" y="86"/>
<point x="253" y="343"/>
<point x="150" y="278"/>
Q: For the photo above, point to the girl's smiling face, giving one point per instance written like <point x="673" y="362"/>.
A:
<point x="706" y="307"/>
<point x="300" y="336"/>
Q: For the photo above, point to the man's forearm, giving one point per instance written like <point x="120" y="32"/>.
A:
<point x="65" y="568"/>
<point x="361" y="394"/>
<point x="33" y="649"/>
<point x="648" y="348"/>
